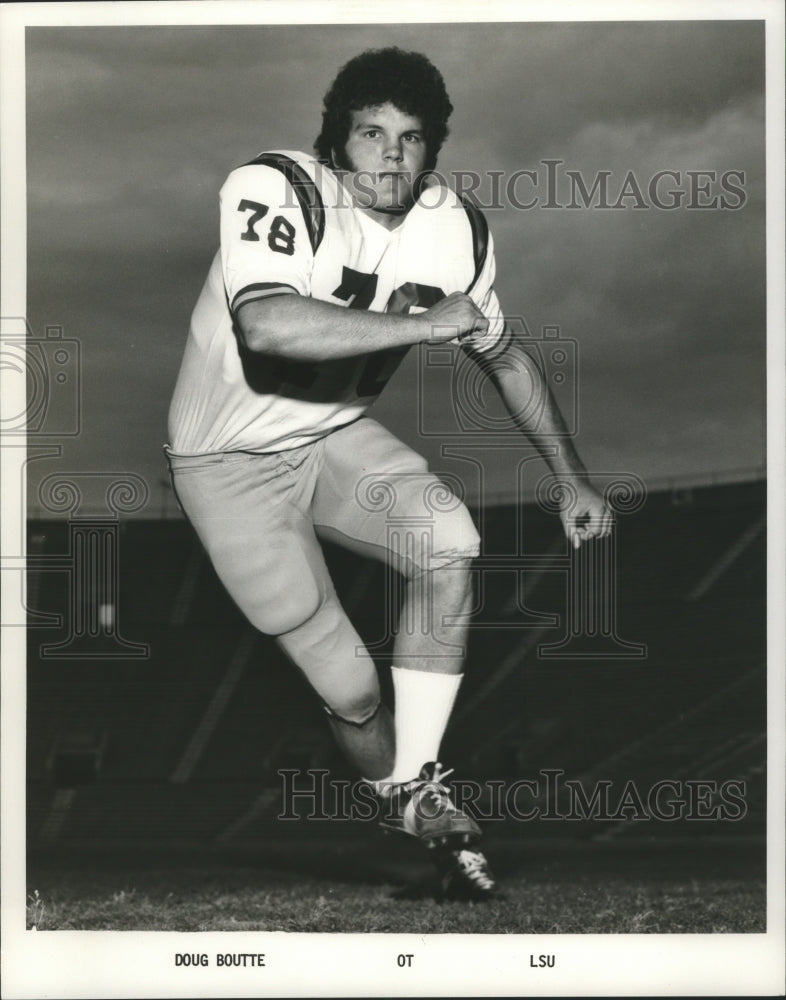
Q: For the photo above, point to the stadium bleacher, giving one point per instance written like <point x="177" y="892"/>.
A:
<point x="184" y="744"/>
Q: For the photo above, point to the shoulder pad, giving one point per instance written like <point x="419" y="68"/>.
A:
<point x="305" y="188"/>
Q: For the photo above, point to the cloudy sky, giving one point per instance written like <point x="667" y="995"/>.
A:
<point x="131" y="131"/>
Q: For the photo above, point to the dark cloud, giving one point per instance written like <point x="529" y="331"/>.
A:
<point x="132" y="130"/>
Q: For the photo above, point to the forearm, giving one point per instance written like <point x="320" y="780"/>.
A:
<point x="298" y="328"/>
<point x="527" y="397"/>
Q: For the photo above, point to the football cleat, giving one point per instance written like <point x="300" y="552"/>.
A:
<point x="423" y="808"/>
<point x="464" y="875"/>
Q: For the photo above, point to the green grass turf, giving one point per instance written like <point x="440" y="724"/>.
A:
<point x="602" y="889"/>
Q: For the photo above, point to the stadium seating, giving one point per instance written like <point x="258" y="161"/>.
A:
<point x="185" y="741"/>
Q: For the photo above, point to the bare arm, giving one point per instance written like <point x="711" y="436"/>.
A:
<point x="523" y="389"/>
<point x="527" y="397"/>
<point x="303" y="329"/>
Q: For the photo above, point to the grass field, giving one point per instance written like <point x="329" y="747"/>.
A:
<point x="384" y="885"/>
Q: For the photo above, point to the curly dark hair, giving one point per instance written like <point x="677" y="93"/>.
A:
<point x="379" y="76"/>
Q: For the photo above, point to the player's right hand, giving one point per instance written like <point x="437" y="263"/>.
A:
<point x="452" y="318"/>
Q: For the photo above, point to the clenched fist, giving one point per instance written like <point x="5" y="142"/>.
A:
<point x="452" y="318"/>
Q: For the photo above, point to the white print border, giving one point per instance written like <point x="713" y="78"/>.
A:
<point x="101" y="964"/>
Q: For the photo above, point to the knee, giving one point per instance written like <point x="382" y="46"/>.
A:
<point x="455" y="543"/>
<point x="289" y="610"/>
<point x="464" y="539"/>
<point x="356" y="708"/>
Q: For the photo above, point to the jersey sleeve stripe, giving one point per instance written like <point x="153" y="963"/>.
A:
<point x="480" y="236"/>
<point x="307" y="193"/>
<point x="260" y="290"/>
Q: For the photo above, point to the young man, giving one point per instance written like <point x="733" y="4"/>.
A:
<point x="329" y="270"/>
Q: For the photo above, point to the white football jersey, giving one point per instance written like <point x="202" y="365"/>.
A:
<point x="288" y="227"/>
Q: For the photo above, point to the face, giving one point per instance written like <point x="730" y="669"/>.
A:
<point x="385" y="150"/>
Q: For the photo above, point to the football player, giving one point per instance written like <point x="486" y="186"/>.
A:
<point x="329" y="269"/>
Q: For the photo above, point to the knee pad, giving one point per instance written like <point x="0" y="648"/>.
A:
<point x="356" y="723"/>
<point x="454" y="538"/>
<point x="287" y="610"/>
<point x="461" y="541"/>
<point x="435" y="528"/>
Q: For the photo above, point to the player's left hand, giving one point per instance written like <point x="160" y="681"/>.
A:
<point x="585" y="514"/>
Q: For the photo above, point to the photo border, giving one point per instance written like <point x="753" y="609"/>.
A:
<point x="133" y="964"/>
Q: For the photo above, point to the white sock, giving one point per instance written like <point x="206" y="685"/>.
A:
<point x="424" y="702"/>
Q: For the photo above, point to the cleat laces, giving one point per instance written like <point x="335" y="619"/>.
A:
<point x="473" y="865"/>
<point x="437" y="790"/>
<point x="424" y="808"/>
<point x="439" y="774"/>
